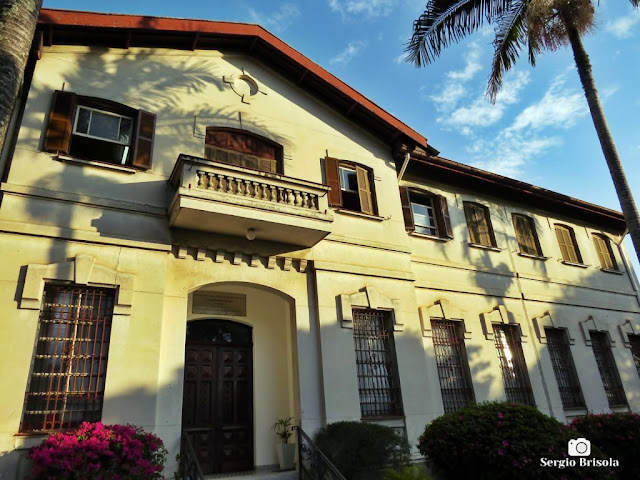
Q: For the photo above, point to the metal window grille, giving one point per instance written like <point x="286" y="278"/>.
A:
<point x="607" y="367"/>
<point x="514" y="368"/>
<point x="453" y="365"/>
<point x="564" y="368"/>
<point x="634" y="342"/>
<point x="378" y="382"/>
<point x="66" y="386"/>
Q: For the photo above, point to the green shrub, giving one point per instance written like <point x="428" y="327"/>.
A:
<point x="500" y="440"/>
<point x="617" y="435"/>
<point x="411" y="472"/>
<point x="361" y="450"/>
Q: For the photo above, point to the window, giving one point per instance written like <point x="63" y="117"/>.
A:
<point x="605" y="254"/>
<point x="607" y="368"/>
<point x="378" y="382"/>
<point x="66" y="385"/>
<point x="351" y="186"/>
<point x="102" y="130"/>
<point x="514" y="368"/>
<point x="453" y="366"/>
<point x="526" y="235"/>
<point x="568" y="246"/>
<point x="564" y="368"/>
<point x="479" y="224"/>
<point x="425" y="213"/>
<point x="634" y="343"/>
<point x="242" y="148"/>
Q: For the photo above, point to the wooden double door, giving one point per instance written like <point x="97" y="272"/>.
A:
<point x="217" y="409"/>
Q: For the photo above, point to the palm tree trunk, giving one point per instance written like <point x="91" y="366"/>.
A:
<point x="629" y="209"/>
<point x="18" y="20"/>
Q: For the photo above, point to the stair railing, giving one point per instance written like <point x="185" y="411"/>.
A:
<point x="314" y="465"/>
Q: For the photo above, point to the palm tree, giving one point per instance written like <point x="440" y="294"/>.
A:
<point x="18" y="20"/>
<point x="537" y="25"/>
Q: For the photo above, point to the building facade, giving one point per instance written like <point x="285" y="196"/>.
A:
<point x="202" y="231"/>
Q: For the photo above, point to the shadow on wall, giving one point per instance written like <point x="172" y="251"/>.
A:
<point x="178" y="91"/>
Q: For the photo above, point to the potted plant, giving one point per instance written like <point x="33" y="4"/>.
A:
<point x="286" y="451"/>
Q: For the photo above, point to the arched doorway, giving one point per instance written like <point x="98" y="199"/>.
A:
<point x="217" y="408"/>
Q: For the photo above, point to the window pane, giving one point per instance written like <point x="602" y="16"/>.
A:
<point x="124" y="135"/>
<point x="424" y="217"/>
<point x="84" y="118"/>
<point x="104" y="125"/>
<point x="348" y="179"/>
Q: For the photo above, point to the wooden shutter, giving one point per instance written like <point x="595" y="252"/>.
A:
<point x="332" y="176"/>
<point x="442" y="217"/>
<point x="603" y="249"/>
<point x="568" y="248"/>
<point x="61" y="117"/>
<point x="143" y="148"/>
<point x="409" y="224"/>
<point x="525" y="234"/>
<point x="469" y="213"/>
<point x="364" y="190"/>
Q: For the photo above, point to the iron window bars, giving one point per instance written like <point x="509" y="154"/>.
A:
<point x="453" y="365"/>
<point x="607" y="368"/>
<point x="512" y="363"/>
<point x="564" y="368"/>
<point x="378" y="382"/>
<point x="67" y="379"/>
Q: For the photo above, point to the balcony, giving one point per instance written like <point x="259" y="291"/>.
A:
<point x="220" y="198"/>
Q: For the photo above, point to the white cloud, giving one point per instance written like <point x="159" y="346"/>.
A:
<point x="400" y="59"/>
<point x="349" y="53"/>
<point x="471" y="67"/>
<point x="277" y="21"/>
<point x="623" y="27"/>
<point x="508" y="154"/>
<point x="454" y="89"/>
<point x="480" y="112"/>
<point x="559" y="107"/>
<point x="368" y="9"/>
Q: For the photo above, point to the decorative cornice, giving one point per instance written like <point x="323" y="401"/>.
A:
<point x="239" y="258"/>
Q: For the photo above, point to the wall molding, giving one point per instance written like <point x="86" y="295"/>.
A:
<point x="499" y="314"/>
<point x="539" y="324"/>
<point x="81" y="270"/>
<point x="368" y="297"/>
<point x="442" y="310"/>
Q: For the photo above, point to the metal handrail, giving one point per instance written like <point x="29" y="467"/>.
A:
<point x="189" y="466"/>
<point x="314" y="464"/>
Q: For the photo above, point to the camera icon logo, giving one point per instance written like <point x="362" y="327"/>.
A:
<point x="579" y="447"/>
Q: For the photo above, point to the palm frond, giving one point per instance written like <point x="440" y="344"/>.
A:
<point x="635" y="3"/>
<point x="446" y="21"/>
<point x="511" y="36"/>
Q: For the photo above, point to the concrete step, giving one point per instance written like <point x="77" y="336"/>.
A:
<point x="257" y="475"/>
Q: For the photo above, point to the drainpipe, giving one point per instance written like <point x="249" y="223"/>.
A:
<point x="407" y="156"/>
<point x="627" y="266"/>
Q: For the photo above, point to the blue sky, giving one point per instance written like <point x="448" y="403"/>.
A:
<point x="538" y="131"/>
